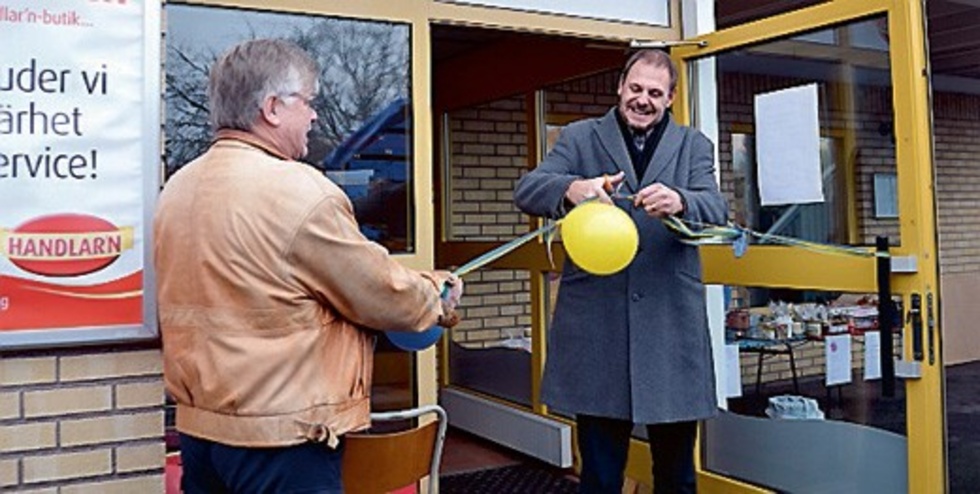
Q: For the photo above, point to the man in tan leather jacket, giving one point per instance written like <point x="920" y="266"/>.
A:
<point x="266" y="288"/>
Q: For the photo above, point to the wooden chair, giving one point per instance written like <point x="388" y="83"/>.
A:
<point x="376" y="463"/>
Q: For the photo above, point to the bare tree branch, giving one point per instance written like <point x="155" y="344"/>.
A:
<point x="364" y="68"/>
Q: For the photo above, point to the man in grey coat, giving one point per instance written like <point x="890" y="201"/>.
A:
<point x="632" y="347"/>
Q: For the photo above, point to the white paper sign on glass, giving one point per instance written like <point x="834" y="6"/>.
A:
<point x="872" y="355"/>
<point x="788" y="146"/>
<point x="733" y="372"/>
<point x="837" y="353"/>
<point x="654" y="12"/>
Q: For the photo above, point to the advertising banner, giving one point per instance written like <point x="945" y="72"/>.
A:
<point x="79" y="161"/>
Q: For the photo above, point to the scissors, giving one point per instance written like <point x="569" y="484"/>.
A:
<point x="614" y="192"/>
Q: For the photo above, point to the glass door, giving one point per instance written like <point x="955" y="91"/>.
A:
<point x="955" y="89"/>
<point x="819" y="326"/>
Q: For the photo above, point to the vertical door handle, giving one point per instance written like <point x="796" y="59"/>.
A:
<point x="931" y="329"/>
<point x="915" y="318"/>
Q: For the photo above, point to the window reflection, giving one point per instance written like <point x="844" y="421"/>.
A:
<point x="824" y="222"/>
<point x="362" y="137"/>
<point x="855" y="121"/>
<point x="490" y="350"/>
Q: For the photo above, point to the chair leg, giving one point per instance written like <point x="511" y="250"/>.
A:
<point x="758" y="375"/>
<point x="792" y="368"/>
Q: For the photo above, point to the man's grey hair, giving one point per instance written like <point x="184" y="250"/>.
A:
<point x="655" y="57"/>
<point x="250" y="72"/>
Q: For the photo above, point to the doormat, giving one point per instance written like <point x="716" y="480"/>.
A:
<point x="514" y="479"/>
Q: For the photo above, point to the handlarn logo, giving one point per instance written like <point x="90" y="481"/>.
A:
<point x="65" y="244"/>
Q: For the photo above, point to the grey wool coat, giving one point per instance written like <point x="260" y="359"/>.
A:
<point x="633" y="345"/>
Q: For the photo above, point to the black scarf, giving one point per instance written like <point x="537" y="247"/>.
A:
<point x="641" y="159"/>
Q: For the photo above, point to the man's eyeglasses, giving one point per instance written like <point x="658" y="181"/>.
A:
<point x="307" y="100"/>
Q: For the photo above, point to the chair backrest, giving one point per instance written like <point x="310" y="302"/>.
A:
<point x="383" y="462"/>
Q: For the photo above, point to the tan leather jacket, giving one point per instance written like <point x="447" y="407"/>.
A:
<point x="264" y="283"/>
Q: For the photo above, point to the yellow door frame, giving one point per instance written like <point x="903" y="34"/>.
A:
<point x="776" y="266"/>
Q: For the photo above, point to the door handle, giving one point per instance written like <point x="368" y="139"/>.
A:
<point x="912" y="369"/>
<point x="915" y="318"/>
<point x="931" y="329"/>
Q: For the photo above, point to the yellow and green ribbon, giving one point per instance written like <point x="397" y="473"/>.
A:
<point x="738" y="236"/>
<point x="687" y="231"/>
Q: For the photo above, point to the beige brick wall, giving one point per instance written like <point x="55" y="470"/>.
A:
<point x="956" y="119"/>
<point x="957" y="158"/>
<point x="82" y="421"/>
<point x="488" y="154"/>
<point x="496" y="306"/>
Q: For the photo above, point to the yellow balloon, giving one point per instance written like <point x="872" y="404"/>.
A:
<point x="599" y="238"/>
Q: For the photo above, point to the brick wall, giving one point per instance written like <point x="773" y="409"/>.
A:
<point x="591" y="96"/>
<point x="488" y="153"/>
<point x="956" y="120"/>
<point x="497" y="306"/>
<point x="957" y="159"/>
<point x="82" y="421"/>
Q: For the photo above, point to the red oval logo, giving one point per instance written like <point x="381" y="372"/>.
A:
<point x="66" y="244"/>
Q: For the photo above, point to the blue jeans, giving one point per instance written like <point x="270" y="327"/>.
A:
<point x="604" y="444"/>
<point x="214" y="468"/>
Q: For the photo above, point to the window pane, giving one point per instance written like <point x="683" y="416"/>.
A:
<point x="824" y="222"/>
<point x="793" y="352"/>
<point x="362" y="136"/>
<point x="856" y="133"/>
<point x="490" y="351"/>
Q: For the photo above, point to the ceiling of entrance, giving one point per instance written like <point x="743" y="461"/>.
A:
<point x="475" y="65"/>
<point x="954" y="37"/>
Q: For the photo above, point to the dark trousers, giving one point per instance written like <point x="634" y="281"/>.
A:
<point x="213" y="468"/>
<point x="604" y="443"/>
